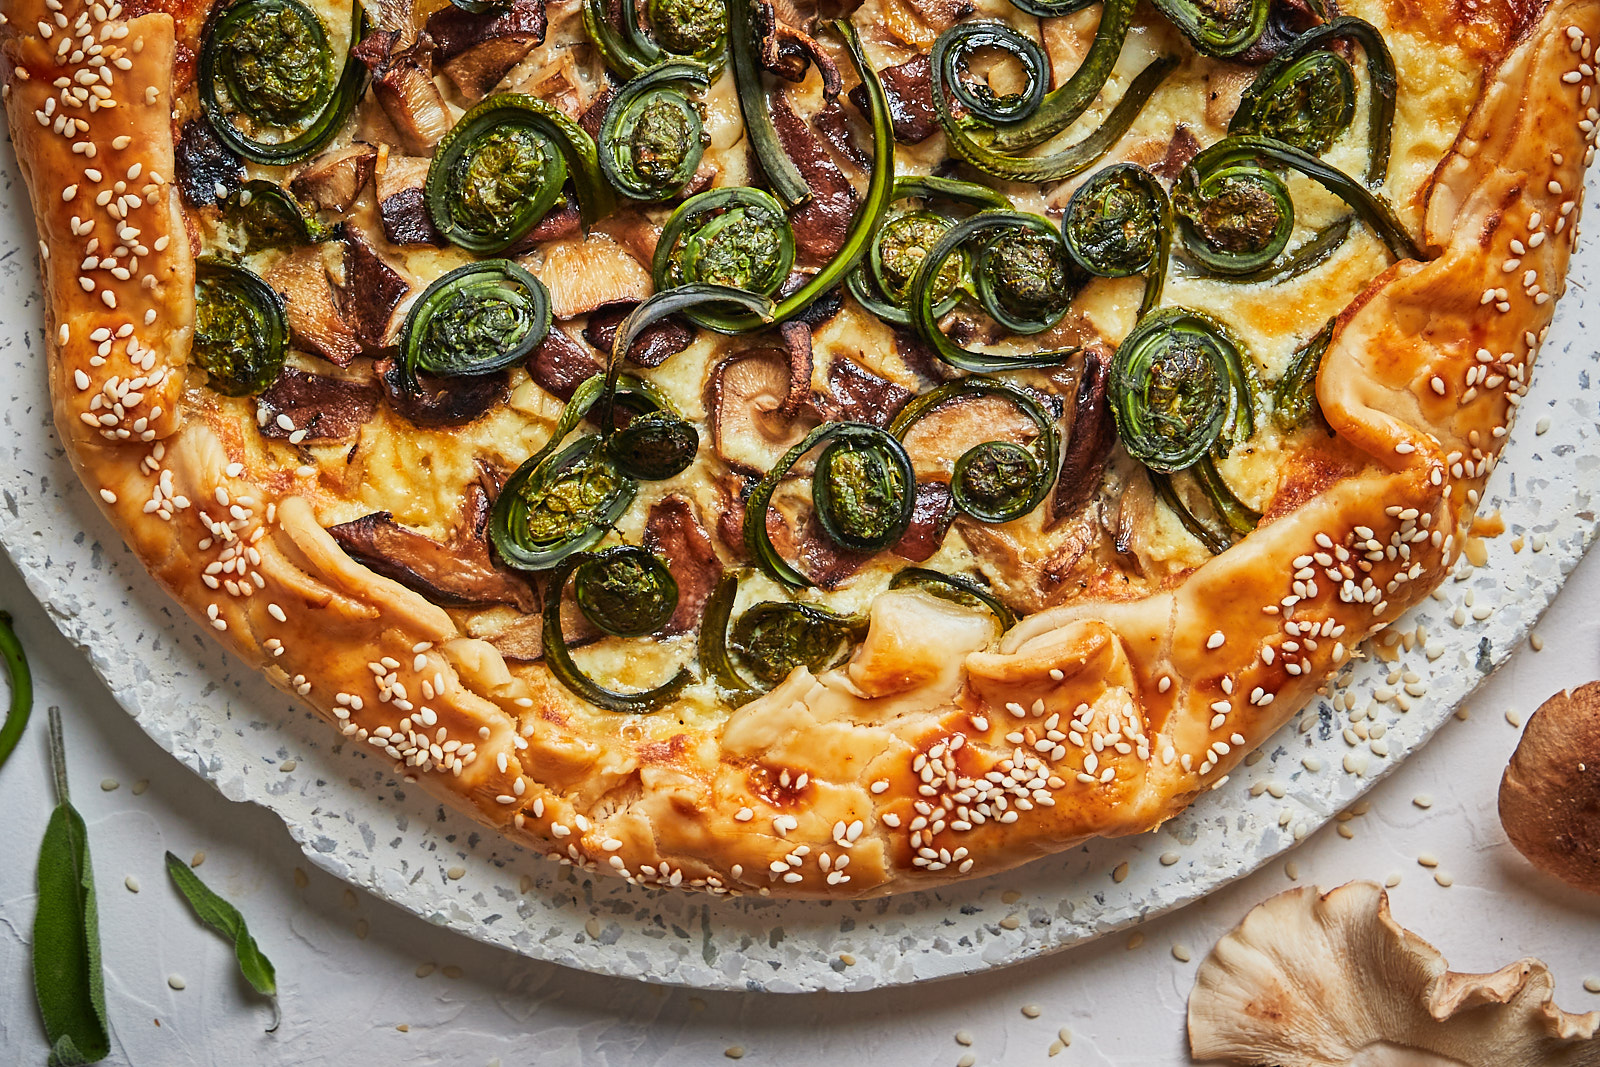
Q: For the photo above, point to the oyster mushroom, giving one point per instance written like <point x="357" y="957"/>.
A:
<point x="439" y="402"/>
<point x="909" y="91"/>
<point x="314" y="407"/>
<point x="334" y="179"/>
<point x="315" y="322"/>
<point x="1094" y="433"/>
<point x="1309" y="980"/>
<point x="457" y="572"/>
<point x="1550" y="794"/>
<point x="590" y="272"/>
<point x="821" y="224"/>
<point x="402" y="81"/>
<point x="856" y="394"/>
<point x="675" y="534"/>
<point x="381" y="288"/>
<point x="401" y="203"/>
<point x="746" y="397"/>
<point x="561" y="364"/>
<point x="476" y="50"/>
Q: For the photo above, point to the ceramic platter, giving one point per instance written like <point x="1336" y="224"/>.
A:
<point x="356" y="821"/>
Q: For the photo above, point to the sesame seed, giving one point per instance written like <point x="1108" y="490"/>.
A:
<point x="1216" y="640"/>
<point x="1181" y="953"/>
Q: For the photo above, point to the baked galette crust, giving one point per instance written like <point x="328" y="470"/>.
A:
<point x="936" y="752"/>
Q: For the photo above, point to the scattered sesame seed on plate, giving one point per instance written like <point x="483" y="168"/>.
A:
<point x="109" y="784"/>
<point x="425" y="969"/>
<point x="132" y="883"/>
<point x="1428" y="859"/>
<point x="455" y="874"/>
<point x="1592" y="984"/>
<point x="176" y="981"/>
<point x="1423" y="801"/>
<point x="1393" y="880"/>
<point x="1135" y="940"/>
<point x="197" y="859"/>
<point x="964" y="1037"/>
<point x="1031" y="1011"/>
<point x="734" y="1052"/>
<point x="1292" y="870"/>
<point x="969" y="1060"/>
<point x="1443" y="879"/>
<point x="1181" y="953"/>
<point x="1513" y="718"/>
<point x="1120" y="872"/>
<point x="451" y="971"/>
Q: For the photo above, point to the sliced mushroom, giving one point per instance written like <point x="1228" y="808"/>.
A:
<point x="1550" y="794"/>
<point x="659" y="342"/>
<point x="395" y="15"/>
<point x="818" y="558"/>
<point x="1310" y="981"/>
<point x="821" y="225"/>
<point x="376" y="289"/>
<point x="1029" y="573"/>
<point x="561" y="364"/>
<point x="746" y="396"/>
<point x="833" y="126"/>
<point x="674" y="533"/>
<point x="440" y="402"/>
<point x="594" y="116"/>
<point x="476" y="50"/>
<point x="402" y="81"/>
<point x="314" y="407"/>
<point x="1286" y="20"/>
<point x="316" y="323"/>
<point x="855" y="394"/>
<point x="458" y="572"/>
<point x="402" y="204"/>
<point x="940" y="15"/>
<point x="334" y="179"/>
<point x="1183" y="147"/>
<point x="930" y="522"/>
<point x="909" y="89"/>
<point x="1089" y="444"/>
<point x="788" y="52"/>
<point x="590" y="272"/>
<point x="207" y="171"/>
<point x="559" y="223"/>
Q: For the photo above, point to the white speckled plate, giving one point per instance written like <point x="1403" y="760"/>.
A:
<point x="353" y="819"/>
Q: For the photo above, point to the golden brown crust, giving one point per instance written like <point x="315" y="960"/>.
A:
<point x="920" y="761"/>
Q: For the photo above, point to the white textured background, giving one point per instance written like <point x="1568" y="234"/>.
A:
<point x="348" y="964"/>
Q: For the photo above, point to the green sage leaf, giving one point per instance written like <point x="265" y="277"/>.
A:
<point x="225" y="919"/>
<point x="67" y="979"/>
<point x="21" y="688"/>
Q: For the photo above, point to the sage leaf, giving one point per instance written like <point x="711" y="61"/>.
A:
<point x="21" y="688"/>
<point x="225" y="919"/>
<point x="67" y="979"/>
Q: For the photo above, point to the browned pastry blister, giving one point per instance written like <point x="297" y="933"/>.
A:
<point x="939" y="750"/>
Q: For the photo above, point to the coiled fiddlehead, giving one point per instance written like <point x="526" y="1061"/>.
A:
<point x="773" y="639"/>
<point x="882" y="284"/>
<point x="1235" y="213"/>
<point x="734" y="237"/>
<point x="503" y="166"/>
<point x="268" y="83"/>
<point x="693" y="30"/>
<point x="1022" y="276"/>
<point x="995" y="127"/>
<point x="476" y="319"/>
<point x="1218" y="29"/>
<point x="268" y="216"/>
<point x="1119" y="223"/>
<point x="861" y="492"/>
<point x="241" y="332"/>
<point x="652" y="139"/>
<point x="1305" y="96"/>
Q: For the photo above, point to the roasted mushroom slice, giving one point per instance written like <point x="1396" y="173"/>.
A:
<point x="476" y="49"/>
<point x="314" y="407"/>
<point x="208" y="171"/>
<point x="1094" y="434"/>
<point x="457" y="572"/>
<point x="590" y="272"/>
<point x="316" y="324"/>
<point x="402" y="81"/>
<point x="381" y="289"/>
<point x="1309" y="980"/>
<point x="675" y="534"/>
<point x="334" y="179"/>
<point x="821" y="224"/>
<point x="436" y="401"/>
<point x="1550" y="795"/>
<point x="402" y="204"/>
<point x="909" y="90"/>
<point x="930" y="522"/>
<point x="654" y="346"/>
<point x="561" y="364"/>
<point x="856" y="394"/>
<point x="746" y="396"/>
